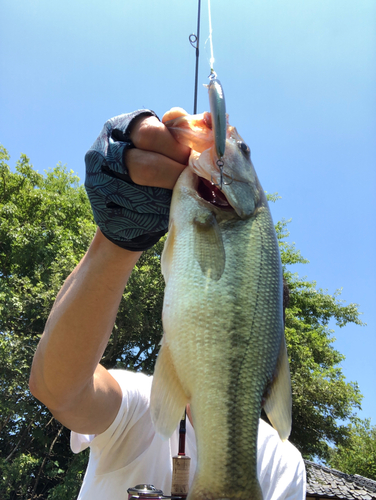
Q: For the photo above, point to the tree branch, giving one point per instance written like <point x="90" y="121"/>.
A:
<point x="44" y="461"/>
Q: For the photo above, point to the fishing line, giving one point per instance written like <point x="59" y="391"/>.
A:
<point x="211" y="61"/>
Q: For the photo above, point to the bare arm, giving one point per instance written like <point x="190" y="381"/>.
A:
<point x="66" y="375"/>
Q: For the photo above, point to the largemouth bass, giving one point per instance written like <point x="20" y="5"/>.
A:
<point x="223" y="349"/>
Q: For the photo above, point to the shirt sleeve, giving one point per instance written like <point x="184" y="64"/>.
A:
<point x="297" y="489"/>
<point x="135" y="402"/>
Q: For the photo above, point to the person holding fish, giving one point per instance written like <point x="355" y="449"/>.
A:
<point x="210" y="361"/>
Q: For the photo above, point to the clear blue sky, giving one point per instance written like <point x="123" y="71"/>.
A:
<point x="300" y="83"/>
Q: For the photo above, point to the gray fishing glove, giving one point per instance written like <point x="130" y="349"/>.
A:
<point x="132" y="216"/>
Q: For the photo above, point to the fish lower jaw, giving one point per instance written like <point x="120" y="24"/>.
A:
<point x="198" y="178"/>
<point x="209" y="192"/>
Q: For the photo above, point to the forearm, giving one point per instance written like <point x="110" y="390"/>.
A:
<point x="80" y="324"/>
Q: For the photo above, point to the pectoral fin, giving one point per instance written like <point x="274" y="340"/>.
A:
<point x="278" y="400"/>
<point x="168" y="399"/>
<point x="208" y="248"/>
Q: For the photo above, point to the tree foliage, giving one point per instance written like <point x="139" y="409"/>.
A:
<point x="321" y="396"/>
<point x="134" y="343"/>
<point x="46" y="226"/>
<point x="358" y="454"/>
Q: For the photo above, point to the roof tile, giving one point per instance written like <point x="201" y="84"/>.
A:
<point x="334" y="484"/>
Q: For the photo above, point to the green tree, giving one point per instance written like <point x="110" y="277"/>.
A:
<point x="358" y="454"/>
<point x="134" y="343"/>
<point x="46" y="226"/>
<point x="322" y="398"/>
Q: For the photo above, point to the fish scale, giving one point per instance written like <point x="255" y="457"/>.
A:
<point x="223" y="347"/>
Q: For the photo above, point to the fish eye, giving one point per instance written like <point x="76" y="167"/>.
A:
<point x="243" y="146"/>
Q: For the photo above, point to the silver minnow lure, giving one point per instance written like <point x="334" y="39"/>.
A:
<point x="218" y="114"/>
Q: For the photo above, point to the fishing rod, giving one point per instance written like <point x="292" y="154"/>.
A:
<point x="195" y="42"/>
<point x="181" y="462"/>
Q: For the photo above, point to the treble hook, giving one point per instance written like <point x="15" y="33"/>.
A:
<point x="231" y="181"/>
<point x="220" y="165"/>
<point x="222" y="173"/>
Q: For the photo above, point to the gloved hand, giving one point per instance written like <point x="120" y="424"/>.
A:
<point x="132" y="215"/>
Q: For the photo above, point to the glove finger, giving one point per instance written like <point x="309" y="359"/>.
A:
<point x="140" y="199"/>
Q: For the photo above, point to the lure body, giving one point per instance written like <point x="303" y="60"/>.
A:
<point x="218" y="114"/>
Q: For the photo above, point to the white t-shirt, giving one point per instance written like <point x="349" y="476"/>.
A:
<point x="130" y="452"/>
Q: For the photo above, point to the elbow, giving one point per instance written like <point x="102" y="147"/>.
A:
<point x="55" y="397"/>
<point x="41" y="392"/>
<point x="37" y="383"/>
<point x="34" y="385"/>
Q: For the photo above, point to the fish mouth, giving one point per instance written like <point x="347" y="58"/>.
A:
<point x="209" y="192"/>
